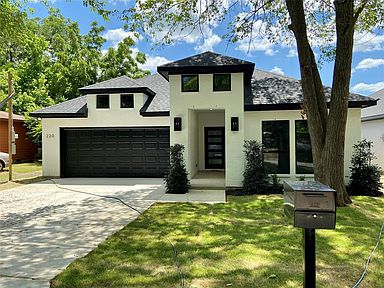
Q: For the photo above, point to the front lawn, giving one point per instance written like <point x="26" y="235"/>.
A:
<point x="22" y="171"/>
<point x="244" y="243"/>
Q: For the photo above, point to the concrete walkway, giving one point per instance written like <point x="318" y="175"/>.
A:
<point x="44" y="227"/>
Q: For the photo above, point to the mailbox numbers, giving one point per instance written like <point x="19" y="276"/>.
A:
<point x="49" y="135"/>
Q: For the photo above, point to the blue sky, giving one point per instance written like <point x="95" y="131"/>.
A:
<point x="368" y="57"/>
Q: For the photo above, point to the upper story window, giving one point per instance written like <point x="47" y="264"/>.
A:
<point x="221" y="82"/>
<point x="189" y="83"/>
<point x="276" y="146"/>
<point x="102" y="101"/>
<point x="126" y="101"/>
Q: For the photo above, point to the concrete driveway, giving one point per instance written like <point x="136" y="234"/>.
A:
<point x="43" y="228"/>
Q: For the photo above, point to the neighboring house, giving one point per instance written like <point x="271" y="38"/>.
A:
<point x="372" y="126"/>
<point x="210" y="103"/>
<point x="26" y="150"/>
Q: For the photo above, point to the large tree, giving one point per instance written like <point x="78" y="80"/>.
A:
<point x="327" y="26"/>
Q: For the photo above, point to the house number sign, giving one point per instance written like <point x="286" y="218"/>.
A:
<point x="49" y="136"/>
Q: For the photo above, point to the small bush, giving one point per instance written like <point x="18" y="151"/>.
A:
<point x="365" y="176"/>
<point x="255" y="175"/>
<point x="275" y="187"/>
<point x="176" y="181"/>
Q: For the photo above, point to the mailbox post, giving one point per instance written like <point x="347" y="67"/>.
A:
<point x="311" y="205"/>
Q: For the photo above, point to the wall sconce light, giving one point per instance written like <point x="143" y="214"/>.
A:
<point x="234" y="123"/>
<point x="177" y="123"/>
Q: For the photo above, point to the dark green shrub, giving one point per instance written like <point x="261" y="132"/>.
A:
<point x="255" y="175"/>
<point x="276" y="187"/>
<point x="176" y="181"/>
<point x="365" y="176"/>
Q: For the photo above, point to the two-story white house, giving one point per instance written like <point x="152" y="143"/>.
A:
<point x="210" y="103"/>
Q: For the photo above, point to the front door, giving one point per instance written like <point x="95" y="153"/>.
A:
<point x="214" y="148"/>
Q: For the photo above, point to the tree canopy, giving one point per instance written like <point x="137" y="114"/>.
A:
<point x="50" y="60"/>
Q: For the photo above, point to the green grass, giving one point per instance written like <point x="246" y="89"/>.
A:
<point x="22" y="171"/>
<point x="243" y="243"/>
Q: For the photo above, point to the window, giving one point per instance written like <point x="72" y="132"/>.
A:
<point x="189" y="83"/>
<point x="221" y="82"/>
<point x="126" y="101"/>
<point x="304" y="161"/>
<point x="276" y="146"/>
<point x="102" y="101"/>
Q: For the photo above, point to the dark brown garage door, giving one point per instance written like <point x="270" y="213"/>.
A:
<point x="114" y="152"/>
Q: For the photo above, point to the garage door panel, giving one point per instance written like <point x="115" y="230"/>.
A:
<point x="115" y="152"/>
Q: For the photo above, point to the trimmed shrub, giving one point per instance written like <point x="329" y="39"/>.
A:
<point x="176" y="181"/>
<point x="365" y="176"/>
<point x="255" y="175"/>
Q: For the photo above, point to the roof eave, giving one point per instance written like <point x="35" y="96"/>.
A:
<point x="144" y="90"/>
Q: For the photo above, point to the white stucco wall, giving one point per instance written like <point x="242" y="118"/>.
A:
<point x="374" y="131"/>
<point x="253" y="131"/>
<point x="112" y="117"/>
<point x="229" y="102"/>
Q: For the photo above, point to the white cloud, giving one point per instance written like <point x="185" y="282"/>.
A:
<point x="258" y="41"/>
<point x="152" y="63"/>
<point x="368" y="88"/>
<point x="277" y="70"/>
<point x="208" y="43"/>
<point x="292" y="53"/>
<point x="369" y="63"/>
<point x="118" y="35"/>
<point x="368" y="42"/>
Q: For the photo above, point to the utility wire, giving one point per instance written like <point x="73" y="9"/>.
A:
<point x="174" y="250"/>
<point x="369" y="259"/>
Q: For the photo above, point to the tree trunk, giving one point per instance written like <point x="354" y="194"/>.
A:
<point x="327" y="131"/>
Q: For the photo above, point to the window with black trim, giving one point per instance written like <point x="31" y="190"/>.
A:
<point x="189" y="83"/>
<point x="221" y="82"/>
<point x="126" y="101"/>
<point x="275" y="135"/>
<point x="304" y="161"/>
<point x="102" y="101"/>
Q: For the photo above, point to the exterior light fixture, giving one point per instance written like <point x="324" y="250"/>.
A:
<point x="177" y="123"/>
<point x="234" y="123"/>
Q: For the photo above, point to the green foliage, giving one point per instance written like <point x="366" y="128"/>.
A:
<point x="255" y="175"/>
<point x="365" y="176"/>
<point x="176" y="181"/>
<point x="276" y="187"/>
<point x="50" y="60"/>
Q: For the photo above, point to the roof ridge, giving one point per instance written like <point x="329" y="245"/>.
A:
<point x="66" y="101"/>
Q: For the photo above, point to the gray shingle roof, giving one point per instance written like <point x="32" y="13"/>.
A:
<point x="375" y="112"/>
<point x="272" y="88"/>
<point x="76" y="107"/>
<point x="207" y="59"/>
<point x="266" y="88"/>
<point x="119" y="82"/>
<point x="160" y="102"/>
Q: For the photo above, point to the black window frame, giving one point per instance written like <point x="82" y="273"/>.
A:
<point x="98" y="97"/>
<point x="299" y="153"/>
<point x="217" y="89"/>
<point x="182" y="82"/>
<point x="284" y="153"/>
<point x="127" y="95"/>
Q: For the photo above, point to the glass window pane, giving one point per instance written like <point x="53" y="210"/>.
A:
<point x="304" y="161"/>
<point x="189" y="83"/>
<point x="102" y="101"/>
<point x="215" y="161"/>
<point x="276" y="146"/>
<point x="126" y="101"/>
<point x="221" y="82"/>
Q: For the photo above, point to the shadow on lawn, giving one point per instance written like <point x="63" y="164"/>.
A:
<point x="244" y="243"/>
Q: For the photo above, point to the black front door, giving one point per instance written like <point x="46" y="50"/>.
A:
<point x="214" y="148"/>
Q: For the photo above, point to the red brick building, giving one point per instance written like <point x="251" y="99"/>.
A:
<point x="25" y="149"/>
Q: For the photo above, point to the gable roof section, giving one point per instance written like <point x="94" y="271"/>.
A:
<point x="271" y="91"/>
<point x="205" y="63"/>
<point x="375" y="112"/>
<point x="122" y="84"/>
<point x="74" y="108"/>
